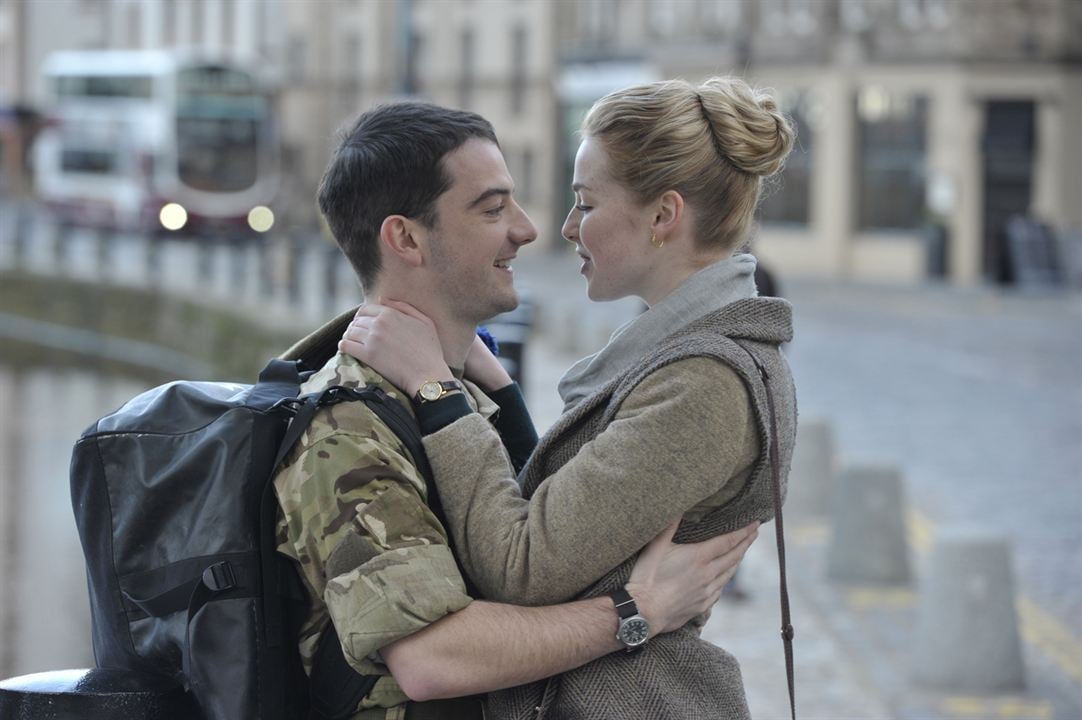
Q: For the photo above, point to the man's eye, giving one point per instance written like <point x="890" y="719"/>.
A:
<point x="495" y="211"/>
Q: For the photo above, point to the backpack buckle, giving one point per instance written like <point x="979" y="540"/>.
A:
<point x="289" y="405"/>
<point x="219" y="577"/>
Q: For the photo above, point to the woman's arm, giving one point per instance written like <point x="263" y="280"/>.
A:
<point x="676" y="440"/>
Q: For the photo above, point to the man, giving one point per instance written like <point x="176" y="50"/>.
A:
<point x="420" y="201"/>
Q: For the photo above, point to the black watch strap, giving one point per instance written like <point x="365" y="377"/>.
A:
<point x="625" y="604"/>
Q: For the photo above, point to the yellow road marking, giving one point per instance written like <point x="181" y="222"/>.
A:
<point x="866" y="597"/>
<point x="809" y="534"/>
<point x="1008" y="708"/>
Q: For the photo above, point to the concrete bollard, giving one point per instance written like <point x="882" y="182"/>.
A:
<point x="868" y="540"/>
<point x="967" y="636"/>
<point x="811" y="479"/>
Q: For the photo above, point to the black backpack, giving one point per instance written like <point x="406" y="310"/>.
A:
<point x="174" y="502"/>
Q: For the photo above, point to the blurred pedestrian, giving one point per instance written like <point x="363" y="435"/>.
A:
<point x="671" y="420"/>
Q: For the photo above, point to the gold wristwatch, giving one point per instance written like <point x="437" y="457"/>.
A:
<point x="434" y="390"/>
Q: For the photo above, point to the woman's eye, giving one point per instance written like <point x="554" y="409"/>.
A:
<point x="583" y="208"/>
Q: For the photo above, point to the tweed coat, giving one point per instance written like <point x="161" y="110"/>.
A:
<point x="506" y="551"/>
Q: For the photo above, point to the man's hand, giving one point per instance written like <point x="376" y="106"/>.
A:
<point x="673" y="583"/>
<point x="399" y="342"/>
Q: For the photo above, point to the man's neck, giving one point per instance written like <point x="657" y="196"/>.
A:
<point x="455" y="336"/>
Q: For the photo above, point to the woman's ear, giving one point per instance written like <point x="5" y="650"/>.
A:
<point x="668" y="215"/>
<point x="400" y="238"/>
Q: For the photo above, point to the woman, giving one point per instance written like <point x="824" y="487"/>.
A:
<point x="670" y="420"/>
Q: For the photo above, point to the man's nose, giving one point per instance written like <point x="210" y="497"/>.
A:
<point x="525" y="231"/>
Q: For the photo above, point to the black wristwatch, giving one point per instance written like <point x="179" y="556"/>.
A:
<point x="634" y="629"/>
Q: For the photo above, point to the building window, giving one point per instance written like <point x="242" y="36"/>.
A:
<point x="891" y="157"/>
<point x="466" y="68"/>
<point x="228" y="38"/>
<point x="526" y="174"/>
<point x="198" y="29"/>
<point x="784" y="17"/>
<point x="855" y="15"/>
<point x="719" y="18"/>
<point x="921" y="14"/>
<point x="412" y="84"/>
<point x="351" y="71"/>
<point x="787" y="197"/>
<point x="295" y="59"/>
<point x="169" y="23"/>
<point x="518" y="69"/>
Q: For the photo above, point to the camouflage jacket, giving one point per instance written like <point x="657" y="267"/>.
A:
<point x="374" y="558"/>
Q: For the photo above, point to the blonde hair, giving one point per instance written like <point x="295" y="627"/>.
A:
<point x="713" y="144"/>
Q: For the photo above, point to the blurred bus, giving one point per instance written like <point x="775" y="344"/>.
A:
<point x="156" y="140"/>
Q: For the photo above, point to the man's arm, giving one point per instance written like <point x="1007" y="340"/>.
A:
<point x="489" y="646"/>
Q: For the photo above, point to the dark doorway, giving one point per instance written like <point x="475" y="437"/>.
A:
<point x="1009" y="144"/>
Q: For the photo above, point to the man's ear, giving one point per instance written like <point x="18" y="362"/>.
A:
<point x="669" y="213"/>
<point x="401" y="237"/>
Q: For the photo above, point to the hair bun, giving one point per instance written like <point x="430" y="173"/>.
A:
<point x="746" y="125"/>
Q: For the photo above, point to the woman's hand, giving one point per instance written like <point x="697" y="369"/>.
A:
<point x="483" y="368"/>
<point x="673" y="583"/>
<point x="399" y="342"/>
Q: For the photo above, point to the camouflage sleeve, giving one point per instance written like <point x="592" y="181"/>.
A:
<point x="367" y="538"/>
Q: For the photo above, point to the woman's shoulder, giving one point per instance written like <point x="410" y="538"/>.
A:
<point x="701" y="380"/>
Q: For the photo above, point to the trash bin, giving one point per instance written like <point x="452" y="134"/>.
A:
<point x="511" y="331"/>
<point x="96" y="694"/>
<point x="935" y="249"/>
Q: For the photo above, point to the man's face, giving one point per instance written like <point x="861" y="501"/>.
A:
<point x="478" y="231"/>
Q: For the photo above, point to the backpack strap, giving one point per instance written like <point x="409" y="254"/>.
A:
<point x="335" y="687"/>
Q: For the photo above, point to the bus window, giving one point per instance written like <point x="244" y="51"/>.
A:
<point x="103" y="86"/>
<point x="82" y="160"/>
<point x="219" y="128"/>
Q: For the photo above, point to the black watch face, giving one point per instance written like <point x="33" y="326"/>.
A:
<point x="634" y="631"/>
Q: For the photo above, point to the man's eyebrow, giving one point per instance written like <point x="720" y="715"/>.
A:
<point x="489" y="193"/>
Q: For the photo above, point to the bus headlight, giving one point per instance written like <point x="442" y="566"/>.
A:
<point x="260" y="218"/>
<point x="173" y="216"/>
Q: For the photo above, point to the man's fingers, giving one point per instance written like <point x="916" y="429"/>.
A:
<point x="665" y="536"/>
<point x="724" y="544"/>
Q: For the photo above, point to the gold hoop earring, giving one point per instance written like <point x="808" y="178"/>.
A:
<point x="654" y="242"/>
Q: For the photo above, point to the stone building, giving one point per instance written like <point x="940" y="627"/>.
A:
<point x="911" y="113"/>
<point x="924" y="124"/>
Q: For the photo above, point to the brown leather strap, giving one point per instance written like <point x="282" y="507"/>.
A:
<point x="779" y="531"/>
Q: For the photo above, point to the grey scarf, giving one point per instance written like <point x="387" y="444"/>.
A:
<point x="708" y="290"/>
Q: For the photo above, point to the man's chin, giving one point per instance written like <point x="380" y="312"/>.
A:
<point x="503" y="305"/>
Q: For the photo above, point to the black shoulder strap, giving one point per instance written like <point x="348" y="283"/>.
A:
<point x="335" y="687"/>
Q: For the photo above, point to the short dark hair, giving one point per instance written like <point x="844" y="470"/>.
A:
<point x="391" y="163"/>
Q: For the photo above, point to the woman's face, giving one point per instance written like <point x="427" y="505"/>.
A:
<point x="610" y="229"/>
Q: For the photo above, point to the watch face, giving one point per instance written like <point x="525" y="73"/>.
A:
<point x="431" y="391"/>
<point x="634" y="631"/>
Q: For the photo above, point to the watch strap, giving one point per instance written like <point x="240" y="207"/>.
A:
<point x="625" y="604"/>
